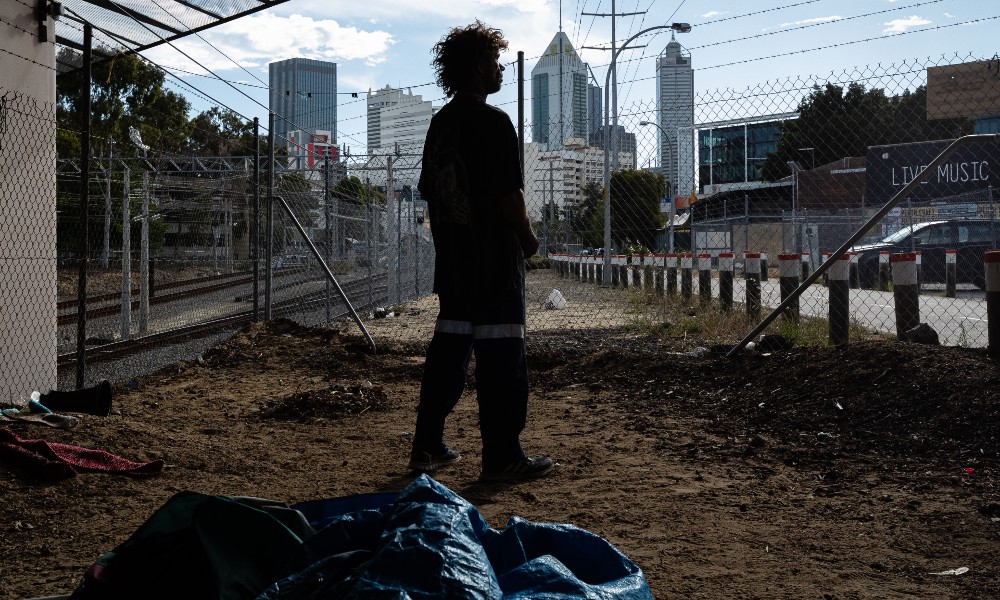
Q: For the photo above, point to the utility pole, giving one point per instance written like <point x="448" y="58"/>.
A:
<point x="328" y="234"/>
<point x="106" y="251"/>
<point x="614" y="78"/>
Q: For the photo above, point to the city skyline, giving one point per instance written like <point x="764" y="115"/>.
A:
<point x="738" y="44"/>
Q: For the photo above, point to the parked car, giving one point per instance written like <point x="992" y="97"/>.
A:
<point x="970" y="238"/>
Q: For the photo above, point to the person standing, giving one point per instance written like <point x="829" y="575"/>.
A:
<point x="471" y="179"/>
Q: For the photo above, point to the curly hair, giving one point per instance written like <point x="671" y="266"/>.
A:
<point x="461" y="50"/>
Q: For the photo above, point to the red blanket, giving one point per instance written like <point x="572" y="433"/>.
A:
<point x="52" y="459"/>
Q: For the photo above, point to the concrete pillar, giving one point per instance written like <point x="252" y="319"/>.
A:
<point x="28" y="343"/>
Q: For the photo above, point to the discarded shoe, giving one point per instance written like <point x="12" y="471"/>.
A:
<point x="94" y="400"/>
<point x="524" y="468"/>
<point x="425" y="462"/>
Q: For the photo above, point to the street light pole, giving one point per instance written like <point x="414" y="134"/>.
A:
<point x="679" y="27"/>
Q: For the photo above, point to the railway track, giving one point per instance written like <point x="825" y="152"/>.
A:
<point x="357" y="291"/>
<point x="110" y="304"/>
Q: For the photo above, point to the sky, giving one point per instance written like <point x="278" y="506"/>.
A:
<point x="734" y="45"/>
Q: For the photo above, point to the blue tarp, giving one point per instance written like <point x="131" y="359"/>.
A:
<point x="430" y="543"/>
<point x="424" y="543"/>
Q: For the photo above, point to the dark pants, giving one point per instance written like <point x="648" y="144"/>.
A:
<point x="496" y="333"/>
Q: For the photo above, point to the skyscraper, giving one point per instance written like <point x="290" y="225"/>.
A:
<point x="303" y="96"/>
<point x="559" y="95"/>
<point x="675" y="106"/>
<point x="397" y="117"/>
<point x="595" y="117"/>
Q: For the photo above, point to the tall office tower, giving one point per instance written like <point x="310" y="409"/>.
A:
<point x="675" y="105"/>
<point x="595" y="118"/>
<point x="397" y="117"/>
<point x="303" y="96"/>
<point x="559" y="95"/>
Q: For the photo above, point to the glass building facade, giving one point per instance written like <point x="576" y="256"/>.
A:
<point x="988" y="125"/>
<point x="303" y="96"/>
<point x="559" y="100"/>
<point x="540" y="108"/>
<point x="734" y="153"/>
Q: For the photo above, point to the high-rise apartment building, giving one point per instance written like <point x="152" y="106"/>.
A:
<point x="303" y="96"/>
<point x="559" y="95"/>
<point x="675" y="107"/>
<point x="395" y="117"/>
<point x="559" y="176"/>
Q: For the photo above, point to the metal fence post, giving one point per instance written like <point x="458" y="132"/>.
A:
<point x="751" y="273"/>
<point x="905" y="292"/>
<point x="126" y="310"/>
<point x="269" y="235"/>
<point x="788" y="280"/>
<point x="686" y="283"/>
<point x="671" y="274"/>
<point x="991" y="262"/>
<point x="884" y="271"/>
<point x="840" y="299"/>
<point x="255" y="227"/>
<point x="726" y="264"/>
<point x="854" y="273"/>
<point x="705" y="278"/>
<point x="951" y="273"/>
<point x="81" y="291"/>
<point x="658" y="274"/>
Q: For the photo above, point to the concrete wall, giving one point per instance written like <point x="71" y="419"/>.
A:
<point x="27" y="204"/>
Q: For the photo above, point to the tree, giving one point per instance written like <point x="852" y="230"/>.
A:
<point x="350" y="189"/>
<point x="127" y="92"/>
<point x="221" y="132"/>
<point x="836" y="123"/>
<point x="583" y="213"/>
<point x="635" y="207"/>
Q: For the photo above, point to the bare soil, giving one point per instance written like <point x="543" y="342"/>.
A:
<point x="854" y="473"/>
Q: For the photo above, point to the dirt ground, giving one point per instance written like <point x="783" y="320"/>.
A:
<point x="855" y="473"/>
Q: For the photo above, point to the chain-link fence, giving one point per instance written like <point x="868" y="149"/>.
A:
<point x="183" y="246"/>
<point x="27" y="252"/>
<point x="786" y="172"/>
<point x="724" y="201"/>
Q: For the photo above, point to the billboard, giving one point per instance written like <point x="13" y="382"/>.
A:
<point x="969" y="169"/>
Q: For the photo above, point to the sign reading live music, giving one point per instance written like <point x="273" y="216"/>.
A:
<point x="970" y="169"/>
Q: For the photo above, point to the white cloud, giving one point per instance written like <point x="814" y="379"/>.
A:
<point x="950" y="16"/>
<point x="256" y="40"/>
<point x="812" y="21"/>
<point x="713" y="13"/>
<point x="412" y="12"/>
<point x="901" y="25"/>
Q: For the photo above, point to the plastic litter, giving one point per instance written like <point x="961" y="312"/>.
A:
<point x="555" y="301"/>
<point x="958" y="571"/>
